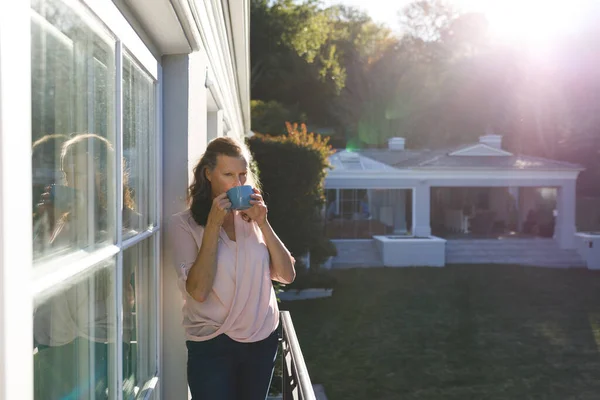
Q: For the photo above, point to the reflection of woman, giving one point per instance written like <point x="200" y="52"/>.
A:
<point x="79" y="317"/>
<point x="46" y="171"/>
<point x="225" y="261"/>
<point x="83" y="193"/>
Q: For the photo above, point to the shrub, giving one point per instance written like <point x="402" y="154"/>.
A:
<point x="292" y="170"/>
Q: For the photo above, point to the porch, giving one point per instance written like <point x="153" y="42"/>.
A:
<point x="493" y="210"/>
<point x="538" y="252"/>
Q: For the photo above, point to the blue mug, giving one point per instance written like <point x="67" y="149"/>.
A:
<point x="240" y="197"/>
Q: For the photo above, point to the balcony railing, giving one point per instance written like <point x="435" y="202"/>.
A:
<point x="296" y="381"/>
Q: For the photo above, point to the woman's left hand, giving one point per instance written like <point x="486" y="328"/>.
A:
<point x="258" y="211"/>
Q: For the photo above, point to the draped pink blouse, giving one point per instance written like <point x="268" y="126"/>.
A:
<point x="242" y="303"/>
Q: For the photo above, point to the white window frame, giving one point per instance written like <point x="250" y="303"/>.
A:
<point x="16" y="301"/>
<point x="20" y="283"/>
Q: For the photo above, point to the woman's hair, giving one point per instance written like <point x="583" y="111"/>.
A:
<point x="199" y="192"/>
<point x="101" y="148"/>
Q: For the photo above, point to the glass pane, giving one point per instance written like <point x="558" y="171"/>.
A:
<point x="74" y="330"/>
<point x="72" y="78"/>
<point x="139" y="317"/>
<point x="139" y="135"/>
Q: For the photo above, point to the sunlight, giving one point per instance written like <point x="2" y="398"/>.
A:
<point x="531" y="22"/>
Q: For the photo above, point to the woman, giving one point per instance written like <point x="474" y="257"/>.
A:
<point x="225" y="261"/>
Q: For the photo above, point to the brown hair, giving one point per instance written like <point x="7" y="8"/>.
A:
<point x="81" y="143"/>
<point x="199" y="192"/>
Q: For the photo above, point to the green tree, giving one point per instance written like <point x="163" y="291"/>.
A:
<point x="293" y="59"/>
<point x="269" y="117"/>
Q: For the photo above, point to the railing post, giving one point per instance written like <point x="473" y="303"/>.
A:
<point x="296" y="381"/>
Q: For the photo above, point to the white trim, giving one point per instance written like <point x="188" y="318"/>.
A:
<point x="50" y="274"/>
<point x="453" y="174"/>
<point x="156" y="276"/>
<point x="140" y="237"/>
<point x="110" y="15"/>
<point x="119" y="168"/>
<point x="16" y="258"/>
<point x="220" y="62"/>
<point x="158" y="148"/>
<point x="157" y="242"/>
<point x="185" y="14"/>
<point x="118" y="373"/>
<point x="472" y="151"/>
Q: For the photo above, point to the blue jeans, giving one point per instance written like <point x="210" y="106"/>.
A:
<point x="223" y="369"/>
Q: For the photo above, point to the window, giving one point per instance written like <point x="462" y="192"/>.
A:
<point x="139" y="316"/>
<point x="74" y="330"/>
<point x="73" y="86"/>
<point x="139" y="134"/>
<point x="354" y="203"/>
<point x="95" y="203"/>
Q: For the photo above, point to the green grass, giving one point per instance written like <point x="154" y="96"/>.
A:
<point x="462" y="332"/>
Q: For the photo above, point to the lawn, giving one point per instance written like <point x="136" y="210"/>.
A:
<point x="462" y="332"/>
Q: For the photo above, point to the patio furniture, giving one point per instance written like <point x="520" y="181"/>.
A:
<point x="456" y="221"/>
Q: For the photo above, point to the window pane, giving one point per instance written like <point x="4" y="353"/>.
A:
<point x="139" y="317"/>
<point x="139" y="135"/>
<point x="72" y="78"/>
<point x="74" y="337"/>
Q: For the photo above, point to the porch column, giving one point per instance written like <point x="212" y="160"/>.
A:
<point x="564" y="228"/>
<point x="421" y="225"/>
<point x="185" y="125"/>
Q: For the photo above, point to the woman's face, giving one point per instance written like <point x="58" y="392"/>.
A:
<point x="229" y="172"/>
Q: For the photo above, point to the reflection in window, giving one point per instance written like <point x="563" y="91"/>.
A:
<point x="139" y="317"/>
<point x="139" y="136"/>
<point x="72" y="80"/>
<point x="74" y="336"/>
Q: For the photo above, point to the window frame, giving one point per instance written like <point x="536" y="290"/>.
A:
<point x="22" y="285"/>
<point x="16" y="303"/>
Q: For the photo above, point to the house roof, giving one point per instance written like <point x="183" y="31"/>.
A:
<point x="462" y="157"/>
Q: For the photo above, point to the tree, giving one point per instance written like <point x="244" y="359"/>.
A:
<point x="366" y="50"/>
<point x="293" y="59"/>
<point x="269" y="117"/>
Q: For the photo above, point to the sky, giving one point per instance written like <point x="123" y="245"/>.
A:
<point x="534" y="20"/>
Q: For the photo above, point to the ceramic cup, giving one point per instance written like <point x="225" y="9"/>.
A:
<point x="240" y="197"/>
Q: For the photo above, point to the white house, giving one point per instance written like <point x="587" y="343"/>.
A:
<point x="471" y="196"/>
<point x="118" y="99"/>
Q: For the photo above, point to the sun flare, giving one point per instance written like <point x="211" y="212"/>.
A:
<point x="532" y="22"/>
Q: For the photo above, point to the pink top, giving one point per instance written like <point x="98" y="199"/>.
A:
<point x="242" y="303"/>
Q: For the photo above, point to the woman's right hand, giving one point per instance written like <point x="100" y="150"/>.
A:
<point x="219" y="210"/>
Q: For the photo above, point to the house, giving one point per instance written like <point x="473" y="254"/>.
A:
<point x="122" y="96"/>
<point x="472" y="196"/>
